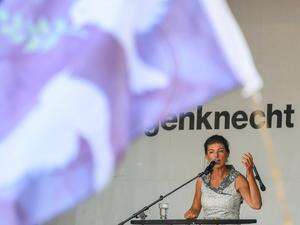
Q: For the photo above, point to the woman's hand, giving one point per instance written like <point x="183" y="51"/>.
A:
<point x="247" y="160"/>
<point x="191" y="214"/>
<point x="247" y="186"/>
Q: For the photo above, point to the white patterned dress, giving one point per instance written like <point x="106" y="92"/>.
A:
<point x="223" y="202"/>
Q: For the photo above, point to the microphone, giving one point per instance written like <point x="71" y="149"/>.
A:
<point x="257" y="177"/>
<point x="210" y="167"/>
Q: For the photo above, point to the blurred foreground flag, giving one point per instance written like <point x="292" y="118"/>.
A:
<point x="81" y="79"/>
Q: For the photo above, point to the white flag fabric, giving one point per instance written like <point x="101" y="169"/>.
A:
<point x="81" y="79"/>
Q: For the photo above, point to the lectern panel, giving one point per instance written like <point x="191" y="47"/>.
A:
<point x="187" y="222"/>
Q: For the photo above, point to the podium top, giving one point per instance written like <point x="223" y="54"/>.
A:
<point x="194" y="221"/>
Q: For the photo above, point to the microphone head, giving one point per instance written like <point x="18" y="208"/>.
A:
<point x="262" y="187"/>
<point x="210" y="167"/>
<point x="213" y="163"/>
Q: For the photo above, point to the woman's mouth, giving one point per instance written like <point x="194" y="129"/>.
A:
<point x="218" y="161"/>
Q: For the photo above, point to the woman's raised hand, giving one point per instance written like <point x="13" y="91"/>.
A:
<point x="247" y="160"/>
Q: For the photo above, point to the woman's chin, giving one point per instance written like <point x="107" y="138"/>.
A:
<point x="219" y="165"/>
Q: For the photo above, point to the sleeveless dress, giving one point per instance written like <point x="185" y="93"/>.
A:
<point x="223" y="202"/>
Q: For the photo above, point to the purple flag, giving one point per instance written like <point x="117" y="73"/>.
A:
<point x="81" y="79"/>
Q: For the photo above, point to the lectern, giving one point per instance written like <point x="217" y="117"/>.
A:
<point x="193" y="221"/>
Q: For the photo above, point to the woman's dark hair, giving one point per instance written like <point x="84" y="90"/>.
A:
<point x="216" y="139"/>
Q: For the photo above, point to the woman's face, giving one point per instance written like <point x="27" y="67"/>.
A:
<point x="217" y="151"/>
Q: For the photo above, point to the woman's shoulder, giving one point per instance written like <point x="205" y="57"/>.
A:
<point x="240" y="181"/>
<point x="238" y="178"/>
<point x="199" y="182"/>
<point x="235" y="173"/>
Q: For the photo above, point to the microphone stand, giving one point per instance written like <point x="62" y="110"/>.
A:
<point x="141" y="213"/>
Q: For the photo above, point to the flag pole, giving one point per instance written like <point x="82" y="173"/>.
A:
<point x="256" y="102"/>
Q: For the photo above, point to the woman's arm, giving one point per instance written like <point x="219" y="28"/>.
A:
<point x="247" y="186"/>
<point x="194" y="211"/>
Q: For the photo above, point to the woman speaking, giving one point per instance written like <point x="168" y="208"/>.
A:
<point x="219" y="195"/>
